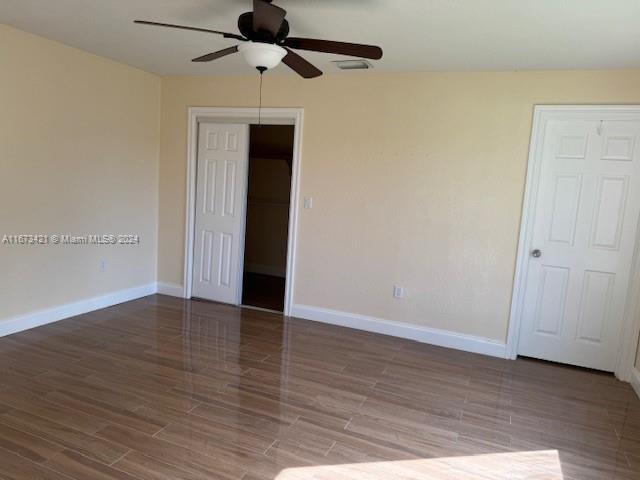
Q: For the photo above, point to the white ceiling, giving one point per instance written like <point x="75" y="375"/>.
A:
<point x="416" y="35"/>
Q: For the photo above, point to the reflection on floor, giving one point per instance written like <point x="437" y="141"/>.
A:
<point x="534" y="465"/>
<point x="163" y="388"/>
<point x="264" y="291"/>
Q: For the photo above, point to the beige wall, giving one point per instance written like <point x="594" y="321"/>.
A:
<point x="79" y="140"/>
<point x="417" y="181"/>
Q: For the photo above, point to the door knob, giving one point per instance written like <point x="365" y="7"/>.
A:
<point x="536" y="253"/>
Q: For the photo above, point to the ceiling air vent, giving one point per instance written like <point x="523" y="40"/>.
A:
<point x="353" y="64"/>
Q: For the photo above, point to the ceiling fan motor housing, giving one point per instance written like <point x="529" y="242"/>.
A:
<point x="245" y="25"/>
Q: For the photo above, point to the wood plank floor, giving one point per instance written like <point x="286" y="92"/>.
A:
<point x="166" y="389"/>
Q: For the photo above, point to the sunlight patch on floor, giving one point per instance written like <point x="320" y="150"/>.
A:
<point x="535" y="465"/>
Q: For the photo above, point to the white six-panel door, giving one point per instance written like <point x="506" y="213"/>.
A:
<point x="220" y="199"/>
<point x="584" y="233"/>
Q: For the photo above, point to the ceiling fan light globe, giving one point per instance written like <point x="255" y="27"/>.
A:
<point x="264" y="55"/>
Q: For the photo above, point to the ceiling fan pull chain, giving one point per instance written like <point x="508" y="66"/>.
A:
<point x="261" y="70"/>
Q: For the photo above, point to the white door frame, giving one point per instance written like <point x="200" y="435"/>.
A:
<point x="631" y="321"/>
<point x="270" y="116"/>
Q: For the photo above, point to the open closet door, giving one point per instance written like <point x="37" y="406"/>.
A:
<point x="220" y="194"/>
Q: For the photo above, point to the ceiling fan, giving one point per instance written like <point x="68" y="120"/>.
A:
<point x="264" y="33"/>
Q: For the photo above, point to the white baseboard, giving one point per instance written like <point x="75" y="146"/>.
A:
<point x="635" y="380"/>
<point x="50" y="315"/>
<point x="442" y="338"/>
<point x="171" y="289"/>
<point x="418" y="333"/>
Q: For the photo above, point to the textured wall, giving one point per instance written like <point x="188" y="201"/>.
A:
<point x="79" y="140"/>
<point x="417" y="180"/>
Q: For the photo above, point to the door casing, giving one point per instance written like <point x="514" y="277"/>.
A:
<point x="269" y="116"/>
<point x="631" y="321"/>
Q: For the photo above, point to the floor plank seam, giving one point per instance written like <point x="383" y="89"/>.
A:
<point x="270" y="447"/>
<point x="330" y="448"/>
<point x="346" y="427"/>
<point x="120" y="457"/>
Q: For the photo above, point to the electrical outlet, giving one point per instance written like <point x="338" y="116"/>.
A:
<point x="308" y="203"/>
<point x="398" y="292"/>
<point x="103" y="265"/>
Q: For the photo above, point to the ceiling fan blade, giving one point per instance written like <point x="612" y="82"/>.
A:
<point x="212" y="56"/>
<point x="341" y="48"/>
<point x="194" y="29"/>
<point x="267" y="17"/>
<point x="298" y="64"/>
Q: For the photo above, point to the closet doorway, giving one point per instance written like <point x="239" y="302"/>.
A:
<point x="225" y="215"/>
<point x="267" y="216"/>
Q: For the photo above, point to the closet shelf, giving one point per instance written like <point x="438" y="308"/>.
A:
<point x="267" y="203"/>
